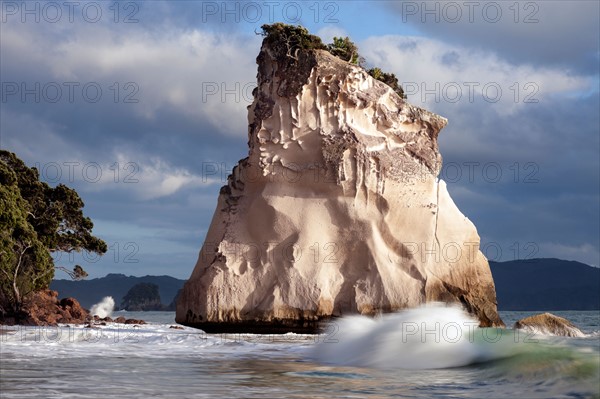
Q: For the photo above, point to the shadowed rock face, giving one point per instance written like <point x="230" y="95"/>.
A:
<point x="336" y="210"/>
<point x="548" y="324"/>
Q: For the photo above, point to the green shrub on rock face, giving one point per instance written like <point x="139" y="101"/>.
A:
<point x="345" y="49"/>
<point x="288" y="40"/>
<point x="389" y="79"/>
<point x="376" y="73"/>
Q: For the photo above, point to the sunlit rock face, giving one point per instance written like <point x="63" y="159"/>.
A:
<point x="548" y="324"/>
<point x="336" y="210"/>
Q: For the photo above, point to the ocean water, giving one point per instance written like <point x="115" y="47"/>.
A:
<point x="431" y="352"/>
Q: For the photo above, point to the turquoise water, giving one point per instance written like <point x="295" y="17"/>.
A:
<point x="443" y="358"/>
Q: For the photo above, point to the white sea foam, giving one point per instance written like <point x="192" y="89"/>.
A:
<point x="432" y="336"/>
<point x="435" y="336"/>
<point x="104" y="308"/>
<point x="548" y="332"/>
<point x="149" y="340"/>
<point x="64" y="361"/>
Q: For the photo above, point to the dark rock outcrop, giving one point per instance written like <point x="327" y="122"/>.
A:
<point x="102" y="321"/>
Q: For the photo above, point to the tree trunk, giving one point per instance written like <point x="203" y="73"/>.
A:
<point x="18" y="302"/>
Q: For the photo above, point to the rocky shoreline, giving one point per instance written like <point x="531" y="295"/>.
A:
<point x="44" y="308"/>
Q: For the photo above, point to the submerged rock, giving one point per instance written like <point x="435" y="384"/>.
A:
<point x="548" y="324"/>
<point x="336" y="210"/>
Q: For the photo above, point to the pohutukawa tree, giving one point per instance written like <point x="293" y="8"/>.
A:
<point x="37" y="220"/>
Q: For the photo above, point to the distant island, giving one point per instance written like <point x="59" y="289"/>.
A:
<point x="143" y="297"/>
<point x="532" y="285"/>
<point x="89" y="292"/>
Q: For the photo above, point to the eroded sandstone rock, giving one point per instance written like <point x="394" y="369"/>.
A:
<point x="336" y="210"/>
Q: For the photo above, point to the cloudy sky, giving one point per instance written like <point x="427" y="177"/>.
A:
<point x="141" y="107"/>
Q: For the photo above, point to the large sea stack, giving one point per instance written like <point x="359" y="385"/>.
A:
<point x="337" y="209"/>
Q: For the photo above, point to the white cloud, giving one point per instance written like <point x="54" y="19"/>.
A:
<point x="171" y="63"/>
<point x="585" y="253"/>
<point x="144" y="180"/>
<point x="542" y="32"/>
<point x="200" y="75"/>
<point x="327" y="33"/>
<point x="441" y="75"/>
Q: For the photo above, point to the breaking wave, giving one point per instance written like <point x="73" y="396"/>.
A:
<point x="104" y="308"/>
<point x="433" y="336"/>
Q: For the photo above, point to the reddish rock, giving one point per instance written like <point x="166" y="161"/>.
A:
<point x="74" y="308"/>
<point x="43" y="308"/>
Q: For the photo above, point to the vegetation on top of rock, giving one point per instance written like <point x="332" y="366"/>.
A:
<point x="344" y="48"/>
<point x="389" y="79"/>
<point x="35" y="221"/>
<point x="289" y="40"/>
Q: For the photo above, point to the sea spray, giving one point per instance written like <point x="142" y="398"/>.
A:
<point x="104" y="308"/>
<point x="173" y="360"/>
<point x="433" y="336"/>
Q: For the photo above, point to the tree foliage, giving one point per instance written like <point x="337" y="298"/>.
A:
<point x="345" y="49"/>
<point x="56" y="213"/>
<point x="290" y="39"/>
<point x="36" y="220"/>
<point x="76" y="274"/>
<point x="389" y="79"/>
<point x="25" y="263"/>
